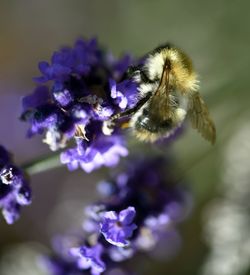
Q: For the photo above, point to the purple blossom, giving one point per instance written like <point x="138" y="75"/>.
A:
<point x="63" y="97"/>
<point x="93" y="213"/>
<point x="138" y="212"/>
<point x="40" y="96"/>
<point x="14" y="189"/>
<point x="86" y="89"/>
<point x="11" y="175"/>
<point x="120" y="254"/>
<point x="158" y="204"/>
<point x="121" y="99"/>
<point x="123" y="93"/>
<point x="89" y="258"/>
<point x="104" y="150"/>
<point x="118" y="228"/>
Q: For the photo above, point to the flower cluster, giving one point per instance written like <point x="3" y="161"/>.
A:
<point x="81" y="87"/>
<point x="14" y="189"/>
<point x="78" y="92"/>
<point x="140" y="208"/>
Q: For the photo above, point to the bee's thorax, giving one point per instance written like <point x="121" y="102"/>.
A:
<point x="181" y="74"/>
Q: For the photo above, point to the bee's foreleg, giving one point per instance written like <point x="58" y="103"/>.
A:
<point x="133" y="110"/>
<point x="108" y="125"/>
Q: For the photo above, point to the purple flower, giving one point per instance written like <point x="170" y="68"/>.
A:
<point x="86" y="89"/>
<point x="139" y="211"/>
<point x="118" y="228"/>
<point x="60" y="68"/>
<point x="89" y="258"/>
<point x="11" y="175"/>
<point x="120" y="254"/>
<point x="14" y="189"/>
<point x="121" y="99"/>
<point x="63" y="96"/>
<point x="93" y="213"/>
<point x="123" y="93"/>
<point x="104" y="150"/>
<point x="40" y="96"/>
<point x="158" y="203"/>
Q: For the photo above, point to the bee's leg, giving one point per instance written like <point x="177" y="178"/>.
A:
<point x="108" y="125"/>
<point x="133" y="110"/>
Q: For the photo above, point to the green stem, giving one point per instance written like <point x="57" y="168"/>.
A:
<point x="42" y="164"/>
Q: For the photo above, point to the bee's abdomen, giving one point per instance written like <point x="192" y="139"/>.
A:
<point x="151" y="124"/>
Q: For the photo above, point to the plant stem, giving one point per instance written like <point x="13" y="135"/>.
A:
<point x="42" y="164"/>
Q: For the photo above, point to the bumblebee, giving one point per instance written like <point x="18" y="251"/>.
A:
<point x="168" y="93"/>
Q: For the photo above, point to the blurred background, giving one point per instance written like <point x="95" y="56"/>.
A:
<point x="216" y="35"/>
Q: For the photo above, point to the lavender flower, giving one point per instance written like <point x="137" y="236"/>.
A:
<point x="14" y="189"/>
<point x="139" y="209"/>
<point x="89" y="258"/>
<point x="104" y="150"/>
<point x="87" y="87"/>
<point x="118" y="228"/>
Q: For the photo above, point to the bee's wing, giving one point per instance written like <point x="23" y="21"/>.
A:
<point x="199" y="117"/>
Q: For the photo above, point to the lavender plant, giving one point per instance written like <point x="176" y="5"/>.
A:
<point x="87" y="86"/>
<point x="140" y="206"/>
<point x="14" y="188"/>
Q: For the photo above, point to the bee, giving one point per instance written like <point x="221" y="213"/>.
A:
<point x="167" y="94"/>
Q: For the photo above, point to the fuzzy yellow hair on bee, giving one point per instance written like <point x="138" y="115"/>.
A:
<point x="181" y="73"/>
<point x="168" y="93"/>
